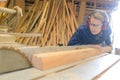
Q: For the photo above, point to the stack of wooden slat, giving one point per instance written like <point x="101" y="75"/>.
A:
<point x="54" y="19"/>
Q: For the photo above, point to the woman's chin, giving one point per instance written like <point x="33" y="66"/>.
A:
<point x="95" y="33"/>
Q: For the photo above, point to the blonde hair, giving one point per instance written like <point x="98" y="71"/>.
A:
<point x="100" y="15"/>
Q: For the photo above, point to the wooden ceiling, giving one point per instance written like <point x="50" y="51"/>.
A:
<point x="99" y="4"/>
<point x="95" y="4"/>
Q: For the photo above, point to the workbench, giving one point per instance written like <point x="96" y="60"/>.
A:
<point x="101" y="67"/>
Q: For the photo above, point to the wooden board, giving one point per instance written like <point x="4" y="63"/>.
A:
<point x="29" y="50"/>
<point x="7" y="38"/>
<point x="12" y="44"/>
<point x="54" y="59"/>
<point x="82" y="70"/>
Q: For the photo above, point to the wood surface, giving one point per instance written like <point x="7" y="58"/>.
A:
<point x="54" y="59"/>
<point x="85" y="71"/>
<point x="112" y="74"/>
<point x="82" y="70"/>
<point x="29" y="50"/>
<point x="12" y="59"/>
<point x="7" y="38"/>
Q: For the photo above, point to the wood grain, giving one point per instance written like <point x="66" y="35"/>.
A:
<point x="54" y="59"/>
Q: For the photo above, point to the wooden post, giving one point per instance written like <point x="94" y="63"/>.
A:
<point x="81" y="12"/>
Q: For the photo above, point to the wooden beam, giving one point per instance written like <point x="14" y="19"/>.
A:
<point x="7" y="38"/>
<point x="81" y="12"/>
<point x="100" y="1"/>
<point x="54" y="59"/>
<point x="22" y="34"/>
<point x="86" y="70"/>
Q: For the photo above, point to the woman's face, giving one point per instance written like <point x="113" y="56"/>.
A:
<point x="95" y="26"/>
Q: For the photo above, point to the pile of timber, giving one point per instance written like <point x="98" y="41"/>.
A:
<point x="54" y="19"/>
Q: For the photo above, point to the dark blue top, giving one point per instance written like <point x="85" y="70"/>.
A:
<point x="83" y="36"/>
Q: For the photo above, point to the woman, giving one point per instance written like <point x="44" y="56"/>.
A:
<point x="96" y="32"/>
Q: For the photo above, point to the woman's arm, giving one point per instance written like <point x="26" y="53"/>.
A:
<point x="105" y="49"/>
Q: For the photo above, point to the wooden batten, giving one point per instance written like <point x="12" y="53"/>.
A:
<point x="7" y="38"/>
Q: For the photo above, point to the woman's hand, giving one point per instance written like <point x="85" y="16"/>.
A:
<point x="102" y="49"/>
<point x="99" y="47"/>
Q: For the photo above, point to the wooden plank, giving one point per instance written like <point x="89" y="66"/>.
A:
<point x="29" y="50"/>
<point x="86" y="70"/>
<point x="69" y="19"/>
<point x="11" y="44"/>
<point x="27" y="74"/>
<point x="7" y="38"/>
<point x="7" y="10"/>
<point x="21" y="34"/>
<point x="51" y="60"/>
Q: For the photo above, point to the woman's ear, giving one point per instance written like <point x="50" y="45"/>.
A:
<point x="88" y="21"/>
<point x="105" y="24"/>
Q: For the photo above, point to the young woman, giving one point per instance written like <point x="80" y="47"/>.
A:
<point x="95" y="32"/>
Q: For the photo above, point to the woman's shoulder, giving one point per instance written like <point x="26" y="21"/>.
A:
<point x="108" y="31"/>
<point x="82" y="27"/>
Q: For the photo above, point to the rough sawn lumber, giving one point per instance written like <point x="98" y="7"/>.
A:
<point x="54" y="59"/>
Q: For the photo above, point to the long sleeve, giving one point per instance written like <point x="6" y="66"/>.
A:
<point x="108" y="39"/>
<point x="76" y="38"/>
